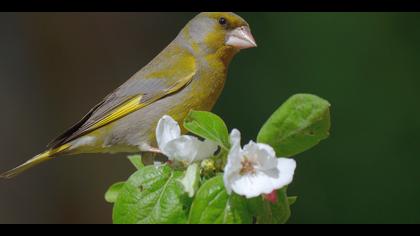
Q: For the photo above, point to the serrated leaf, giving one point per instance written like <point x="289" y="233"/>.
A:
<point x="208" y="125"/>
<point x="112" y="193"/>
<point x="152" y="195"/>
<point x="299" y="124"/>
<point x="213" y="205"/>
<point x="136" y="160"/>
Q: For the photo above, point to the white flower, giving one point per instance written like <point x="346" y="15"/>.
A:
<point x="255" y="169"/>
<point x="183" y="148"/>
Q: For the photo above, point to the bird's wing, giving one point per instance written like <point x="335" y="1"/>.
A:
<point x="144" y="88"/>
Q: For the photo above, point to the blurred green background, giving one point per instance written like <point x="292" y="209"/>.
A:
<point x="55" y="66"/>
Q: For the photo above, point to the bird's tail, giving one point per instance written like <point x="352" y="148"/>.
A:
<point x="38" y="159"/>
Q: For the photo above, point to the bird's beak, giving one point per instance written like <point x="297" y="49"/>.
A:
<point x="241" y="38"/>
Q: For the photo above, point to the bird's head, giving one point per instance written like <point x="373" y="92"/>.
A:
<point x="211" y="32"/>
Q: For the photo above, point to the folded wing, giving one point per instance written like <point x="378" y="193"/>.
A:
<point x="144" y="88"/>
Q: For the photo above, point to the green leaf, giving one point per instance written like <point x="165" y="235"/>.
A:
<point x="274" y="213"/>
<point x="213" y="205"/>
<point x="292" y="200"/>
<point x="152" y="195"/>
<point x="299" y="124"/>
<point x="136" y="160"/>
<point x="208" y="125"/>
<point x="112" y="193"/>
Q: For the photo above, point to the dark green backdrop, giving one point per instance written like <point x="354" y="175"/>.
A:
<point x="55" y="66"/>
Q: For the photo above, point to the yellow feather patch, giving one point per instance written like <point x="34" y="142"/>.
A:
<point x="59" y="149"/>
<point x="127" y="108"/>
<point x="137" y="102"/>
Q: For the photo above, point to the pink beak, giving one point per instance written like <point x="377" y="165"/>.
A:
<point x="241" y="38"/>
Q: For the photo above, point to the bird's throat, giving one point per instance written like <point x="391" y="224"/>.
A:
<point x="226" y="54"/>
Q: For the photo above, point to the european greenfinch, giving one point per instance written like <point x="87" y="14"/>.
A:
<point x="188" y="74"/>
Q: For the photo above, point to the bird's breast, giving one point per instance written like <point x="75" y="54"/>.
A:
<point x="207" y="86"/>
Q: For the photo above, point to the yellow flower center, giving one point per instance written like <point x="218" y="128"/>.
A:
<point x="247" y="167"/>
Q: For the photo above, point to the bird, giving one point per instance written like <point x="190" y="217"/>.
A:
<point x="189" y="74"/>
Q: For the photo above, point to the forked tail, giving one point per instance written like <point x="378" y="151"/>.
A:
<point x="38" y="159"/>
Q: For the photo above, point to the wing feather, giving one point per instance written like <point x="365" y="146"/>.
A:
<point x="141" y="90"/>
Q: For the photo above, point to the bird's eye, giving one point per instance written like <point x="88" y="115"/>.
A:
<point x="222" y="21"/>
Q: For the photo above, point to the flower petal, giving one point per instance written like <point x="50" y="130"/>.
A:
<point x="180" y="149"/>
<point x="235" y="154"/>
<point x="261" y="154"/>
<point x="189" y="149"/>
<point x="262" y="147"/>
<point x="235" y="138"/>
<point x="264" y="182"/>
<point x="191" y="180"/>
<point x="167" y="129"/>
<point x="287" y="168"/>
<point x="252" y="185"/>
<point x="205" y="149"/>
<point x="233" y="166"/>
